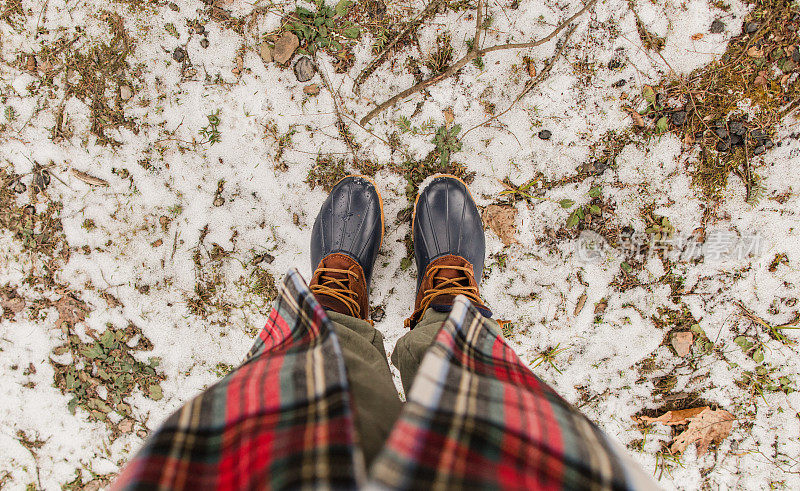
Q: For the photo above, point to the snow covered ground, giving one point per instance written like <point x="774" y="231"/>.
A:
<point x="168" y="234"/>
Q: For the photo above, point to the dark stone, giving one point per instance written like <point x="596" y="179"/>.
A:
<point x="267" y="258"/>
<point x="204" y="43"/>
<point x="545" y="134"/>
<point x="304" y="69"/>
<point x="736" y="140"/>
<point x="796" y="55"/>
<point x="627" y="230"/>
<point x="721" y="132"/>
<point x="378" y="313"/>
<point x="717" y="26"/>
<point x="614" y="64"/>
<point x="179" y="54"/>
<point x="737" y="128"/>
<point x="678" y="118"/>
<point x="619" y="83"/>
<point x="759" y="150"/>
<point x="174" y="6"/>
<point x="751" y="27"/>
<point x="768" y="144"/>
<point x="29" y="210"/>
<point x="723" y="146"/>
<point x="41" y="180"/>
<point x="757" y="134"/>
<point x="200" y="28"/>
<point x="600" y="166"/>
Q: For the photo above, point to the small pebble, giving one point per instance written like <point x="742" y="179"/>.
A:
<point x="600" y="166"/>
<point x="717" y="26"/>
<point x="757" y="134"/>
<point x="545" y="134"/>
<point x="751" y="27"/>
<point x="796" y="54"/>
<point x="29" y="210"/>
<point x="174" y="6"/>
<point x="125" y="92"/>
<point x="199" y="28"/>
<point x="265" y="52"/>
<point x="285" y="47"/>
<point x="736" y="140"/>
<point x="614" y="64"/>
<point x="759" y="150"/>
<point x="219" y="201"/>
<point x="737" y="128"/>
<point x="40" y="181"/>
<point x="304" y="69"/>
<point x="179" y="54"/>
<point x="768" y="144"/>
<point x="378" y="313"/>
<point x="723" y="146"/>
<point x="204" y="43"/>
<point x="619" y="83"/>
<point x="20" y="187"/>
<point x="721" y="132"/>
<point x="267" y="258"/>
<point x="678" y="118"/>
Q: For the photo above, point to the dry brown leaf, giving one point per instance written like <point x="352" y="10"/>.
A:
<point x="13" y="304"/>
<point x="682" y="342"/>
<point x="755" y="52"/>
<point x="579" y="305"/>
<point x="449" y="116"/>
<point x="761" y="79"/>
<point x="312" y="89"/>
<point x="502" y="221"/>
<point x="91" y="180"/>
<point x="679" y="417"/>
<point x="70" y="310"/>
<point x="697" y="37"/>
<point x="126" y="425"/>
<point x="600" y="306"/>
<point x="704" y="429"/>
<point x="638" y="120"/>
<point x="531" y="67"/>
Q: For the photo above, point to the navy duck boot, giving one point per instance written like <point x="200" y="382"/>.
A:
<point x="449" y="246"/>
<point x="345" y="241"/>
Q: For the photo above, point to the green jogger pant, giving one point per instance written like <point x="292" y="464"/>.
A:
<point x="375" y="398"/>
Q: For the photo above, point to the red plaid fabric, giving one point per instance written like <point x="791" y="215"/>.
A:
<point x="475" y="417"/>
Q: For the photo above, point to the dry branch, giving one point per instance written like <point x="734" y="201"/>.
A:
<point x="367" y="71"/>
<point x="472" y="54"/>
<point x="530" y="84"/>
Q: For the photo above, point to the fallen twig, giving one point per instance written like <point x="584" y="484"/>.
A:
<point x="341" y="126"/>
<point x="369" y="69"/>
<point x="472" y="54"/>
<point x="530" y="84"/>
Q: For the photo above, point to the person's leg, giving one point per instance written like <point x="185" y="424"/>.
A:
<point x="345" y="241"/>
<point x="410" y="349"/>
<point x="449" y="250"/>
<point x="475" y="415"/>
<point x="374" y="395"/>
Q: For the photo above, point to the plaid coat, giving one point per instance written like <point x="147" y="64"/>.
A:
<point x="475" y="417"/>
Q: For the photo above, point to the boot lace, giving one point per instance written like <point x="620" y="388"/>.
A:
<point x="459" y="285"/>
<point x="338" y="287"/>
